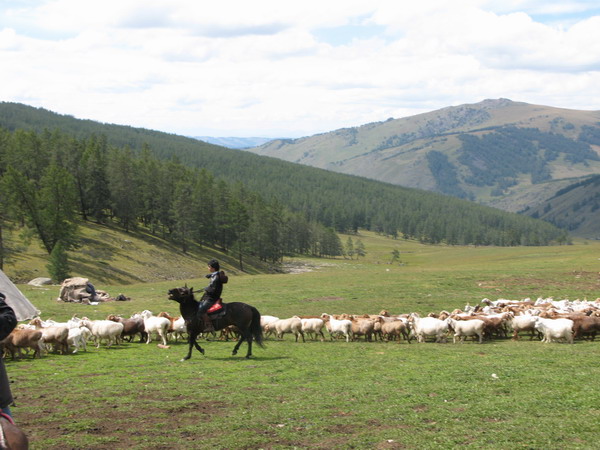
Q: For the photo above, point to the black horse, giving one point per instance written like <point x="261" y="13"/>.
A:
<point x="245" y="317"/>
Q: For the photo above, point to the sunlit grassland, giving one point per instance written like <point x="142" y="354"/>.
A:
<point x="332" y="394"/>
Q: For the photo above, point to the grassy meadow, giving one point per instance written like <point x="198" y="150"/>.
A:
<point x="331" y="394"/>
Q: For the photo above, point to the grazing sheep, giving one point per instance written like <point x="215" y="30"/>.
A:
<point x="154" y="324"/>
<point x="428" y="327"/>
<point x="337" y="327"/>
<point x="177" y="328"/>
<point x="523" y="323"/>
<point x="554" y="330"/>
<point x="131" y="327"/>
<point x="392" y="328"/>
<point x="291" y="325"/>
<point x="313" y="326"/>
<point x="56" y="335"/>
<point x="464" y="328"/>
<point x="23" y="338"/>
<point x="266" y="320"/>
<point x="78" y="337"/>
<point x="104" y="329"/>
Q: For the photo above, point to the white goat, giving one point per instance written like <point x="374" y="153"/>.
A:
<point x="554" y="330"/>
<point x="78" y="338"/>
<point x="428" y="327"/>
<point x="338" y="327"/>
<point x="464" y="328"/>
<point x="525" y="322"/>
<point x="154" y="324"/>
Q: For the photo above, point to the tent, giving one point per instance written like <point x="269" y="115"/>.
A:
<point x="23" y="308"/>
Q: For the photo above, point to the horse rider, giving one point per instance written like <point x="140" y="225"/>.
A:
<point x="212" y="293"/>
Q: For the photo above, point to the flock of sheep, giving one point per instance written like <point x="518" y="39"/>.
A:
<point x="41" y="336"/>
<point x="550" y="320"/>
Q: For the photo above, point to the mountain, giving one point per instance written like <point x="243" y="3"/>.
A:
<point x="506" y="154"/>
<point x="234" y="142"/>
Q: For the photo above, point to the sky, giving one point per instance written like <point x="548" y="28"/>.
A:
<point x="276" y="68"/>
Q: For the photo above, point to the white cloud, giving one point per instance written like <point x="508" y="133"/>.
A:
<point x="272" y="68"/>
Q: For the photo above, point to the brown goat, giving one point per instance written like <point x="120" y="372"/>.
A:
<point x="22" y="338"/>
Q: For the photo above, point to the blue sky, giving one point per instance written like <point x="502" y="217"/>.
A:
<point x="272" y="68"/>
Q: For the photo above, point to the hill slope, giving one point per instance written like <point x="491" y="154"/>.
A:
<point x="498" y="152"/>
<point x="575" y="208"/>
<point x="112" y="256"/>
<point x="335" y="200"/>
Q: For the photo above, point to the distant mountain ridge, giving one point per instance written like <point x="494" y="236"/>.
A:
<point x="498" y="152"/>
<point x="234" y="142"/>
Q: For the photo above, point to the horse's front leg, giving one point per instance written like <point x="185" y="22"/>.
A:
<point x="191" y="344"/>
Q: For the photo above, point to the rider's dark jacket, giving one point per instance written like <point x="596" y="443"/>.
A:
<point x="214" y="288"/>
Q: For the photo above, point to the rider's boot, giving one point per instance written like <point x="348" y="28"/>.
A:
<point x="208" y="326"/>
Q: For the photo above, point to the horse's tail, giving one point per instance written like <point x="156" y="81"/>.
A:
<point x="255" y="327"/>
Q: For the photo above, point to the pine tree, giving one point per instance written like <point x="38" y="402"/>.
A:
<point x="58" y="264"/>
<point x="349" y="247"/>
<point x="360" y="249"/>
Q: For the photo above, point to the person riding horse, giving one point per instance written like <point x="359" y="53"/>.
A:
<point x="212" y="292"/>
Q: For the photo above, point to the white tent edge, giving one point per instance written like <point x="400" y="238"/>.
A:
<point x="23" y="308"/>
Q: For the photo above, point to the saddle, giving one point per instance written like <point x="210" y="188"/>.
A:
<point x="217" y="309"/>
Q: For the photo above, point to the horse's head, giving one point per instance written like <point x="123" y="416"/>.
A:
<point x="181" y="294"/>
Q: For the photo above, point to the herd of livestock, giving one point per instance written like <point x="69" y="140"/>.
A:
<point x="546" y="319"/>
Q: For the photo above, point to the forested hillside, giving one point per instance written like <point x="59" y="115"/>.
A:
<point x="189" y="190"/>
<point x="575" y="208"/>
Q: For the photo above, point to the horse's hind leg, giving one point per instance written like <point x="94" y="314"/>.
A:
<point x="249" y="339"/>
<point x="239" y="342"/>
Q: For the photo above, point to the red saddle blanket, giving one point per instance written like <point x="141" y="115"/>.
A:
<point x="216" y="307"/>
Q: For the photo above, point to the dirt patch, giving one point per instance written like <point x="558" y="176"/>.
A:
<point x="114" y="424"/>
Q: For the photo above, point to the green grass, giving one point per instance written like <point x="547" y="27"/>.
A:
<point x="331" y="394"/>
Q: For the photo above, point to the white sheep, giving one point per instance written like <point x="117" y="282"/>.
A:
<point x="104" y="329"/>
<point x="179" y="328"/>
<point x="266" y="320"/>
<point x="338" y="327"/>
<point x="464" y="328"/>
<point x="313" y="326"/>
<point x="155" y="324"/>
<point x="428" y="327"/>
<point x="291" y="325"/>
<point x="55" y="335"/>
